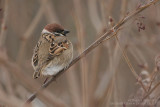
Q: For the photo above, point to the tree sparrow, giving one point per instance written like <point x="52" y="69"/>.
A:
<point x="53" y="51"/>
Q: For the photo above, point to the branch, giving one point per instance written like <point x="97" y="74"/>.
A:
<point x="155" y="87"/>
<point x="130" y="65"/>
<point x="3" y="25"/>
<point x="106" y="36"/>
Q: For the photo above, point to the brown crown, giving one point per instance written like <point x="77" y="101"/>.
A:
<point x="53" y="27"/>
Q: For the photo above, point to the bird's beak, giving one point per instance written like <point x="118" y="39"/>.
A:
<point x="65" y="32"/>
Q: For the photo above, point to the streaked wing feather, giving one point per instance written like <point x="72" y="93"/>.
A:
<point x="35" y="55"/>
<point x="56" y="49"/>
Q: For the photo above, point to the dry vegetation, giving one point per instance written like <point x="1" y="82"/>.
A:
<point x="121" y="68"/>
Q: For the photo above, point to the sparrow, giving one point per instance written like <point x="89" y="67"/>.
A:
<point x="53" y="52"/>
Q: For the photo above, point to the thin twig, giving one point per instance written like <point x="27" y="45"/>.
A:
<point x="151" y="91"/>
<point x="108" y="35"/>
<point x="153" y="76"/>
<point x="130" y="65"/>
<point x="3" y="25"/>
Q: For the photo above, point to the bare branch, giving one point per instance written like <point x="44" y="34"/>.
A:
<point x="3" y="25"/>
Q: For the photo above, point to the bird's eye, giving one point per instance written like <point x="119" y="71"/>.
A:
<point x="59" y="31"/>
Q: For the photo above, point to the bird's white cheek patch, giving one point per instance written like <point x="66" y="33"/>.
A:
<point x="52" y="70"/>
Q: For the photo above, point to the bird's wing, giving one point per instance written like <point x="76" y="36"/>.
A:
<point x="35" y="54"/>
<point x="35" y="61"/>
<point x="47" y="36"/>
<point x="56" y="49"/>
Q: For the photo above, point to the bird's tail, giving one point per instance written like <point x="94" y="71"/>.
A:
<point x="36" y="75"/>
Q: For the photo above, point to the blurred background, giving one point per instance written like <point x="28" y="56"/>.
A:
<point x="102" y="78"/>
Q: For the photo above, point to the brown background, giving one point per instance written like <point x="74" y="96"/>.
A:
<point x="103" y="77"/>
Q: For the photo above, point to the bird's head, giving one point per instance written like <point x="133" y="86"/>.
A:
<point x="55" y="29"/>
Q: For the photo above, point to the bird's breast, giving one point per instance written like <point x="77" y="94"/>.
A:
<point x="52" y="70"/>
<point x="59" y="62"/>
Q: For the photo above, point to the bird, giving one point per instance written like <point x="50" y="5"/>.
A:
<point x="53" y="52"/>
